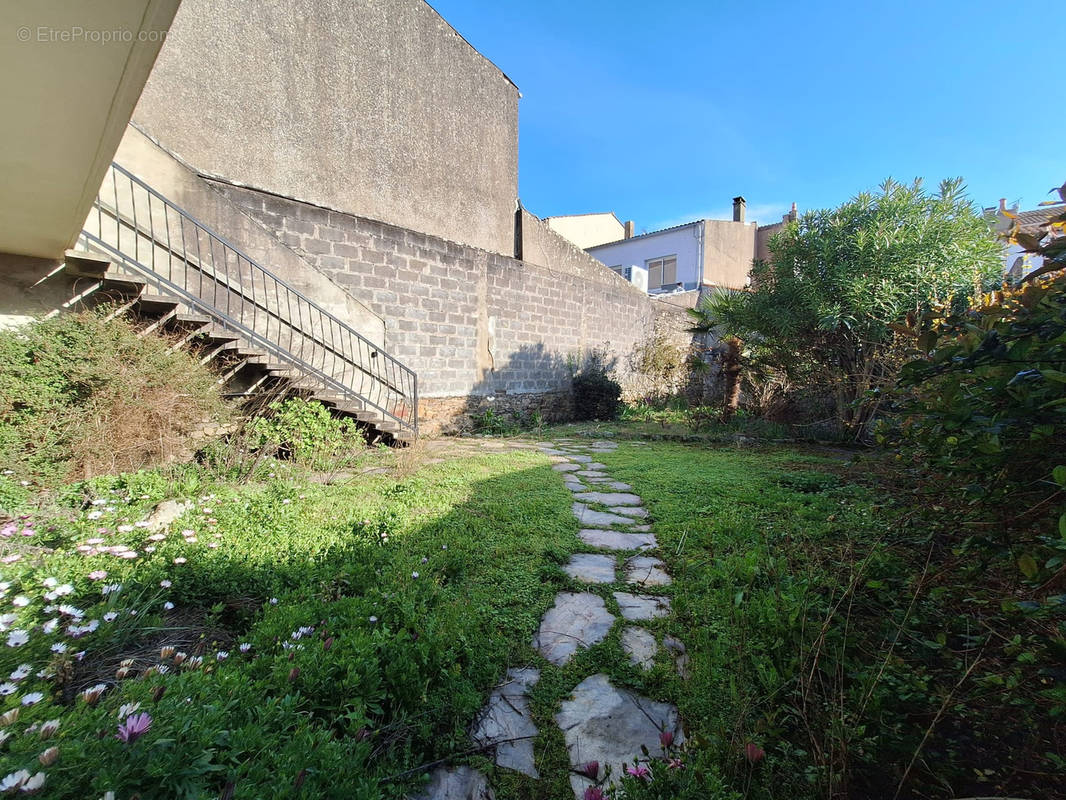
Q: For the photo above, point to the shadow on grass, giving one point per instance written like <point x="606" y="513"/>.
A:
<point x="378" y="615"/>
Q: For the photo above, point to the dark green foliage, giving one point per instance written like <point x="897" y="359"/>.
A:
<point x="506" y="423"/>
<point x="305" y="432"/>
<point x="822" y="310"/>
<point x="596" y="394"/>
<point x="989" y="400"/>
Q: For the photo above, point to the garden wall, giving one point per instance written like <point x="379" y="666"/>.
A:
<point x="481" y="329"/>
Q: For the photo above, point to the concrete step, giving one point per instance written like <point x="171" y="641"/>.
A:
<point x="86" y="264"/>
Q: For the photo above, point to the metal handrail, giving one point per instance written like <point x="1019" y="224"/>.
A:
<point x="149" y="234"/>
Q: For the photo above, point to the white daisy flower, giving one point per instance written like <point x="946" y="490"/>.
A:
<point x="17" y="638"/>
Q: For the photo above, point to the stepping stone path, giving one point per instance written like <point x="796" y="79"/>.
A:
<point x="590" y="568"/>
<point x="647" y="571"/>
<point x="600" y="722"/>
<point x="603" y="723"/>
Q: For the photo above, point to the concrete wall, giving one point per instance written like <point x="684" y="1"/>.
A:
<point x="470" y="322"/>
<point x="31" y="288"/>
<point x="682" y="241"/>
<point x="728" y="250"/>
<point x="588" y="230"/>
<point x="199" y="198"/>
<point x="375" y="107"/>
<point x="542" y="246"/>
<point x="762" y="239"/>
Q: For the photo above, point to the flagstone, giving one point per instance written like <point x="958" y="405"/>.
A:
<point x="647" y="571"/>
<point x="609" y="725"/>
<point x="591" y="568"/>
<point x="587" y="516"/>
<point x="610" y="498"/>
<point x="506" y="722"/>
<point x="616" y="540"/>
<point x="635" y="607"/>
<point x="578" y="619"/>
<point x="640" y="645"/>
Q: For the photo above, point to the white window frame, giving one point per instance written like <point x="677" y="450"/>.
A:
<point x="656" y="266"/>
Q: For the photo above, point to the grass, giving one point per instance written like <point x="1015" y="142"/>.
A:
<point x="839" y="622"/>
<point x="378" y="612"/>
<point x="347" y="719"/>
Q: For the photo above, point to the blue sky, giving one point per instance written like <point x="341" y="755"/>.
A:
<point x="663" y="112"/>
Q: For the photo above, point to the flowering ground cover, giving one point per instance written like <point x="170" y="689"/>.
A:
<point x="278" y="639"/>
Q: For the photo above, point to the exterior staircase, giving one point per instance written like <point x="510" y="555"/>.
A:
<point x="151" y="260"/>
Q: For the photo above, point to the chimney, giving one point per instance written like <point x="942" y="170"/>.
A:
<point x="739" y="206"/>
<point x="629" y="229"/>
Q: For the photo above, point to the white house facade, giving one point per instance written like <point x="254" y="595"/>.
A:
<point x="670" y="257"/>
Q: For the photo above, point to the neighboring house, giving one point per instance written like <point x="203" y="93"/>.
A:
<point x="1017" y="263"/>
<point x="701" y="254"/>
<point x="589" y="230"/>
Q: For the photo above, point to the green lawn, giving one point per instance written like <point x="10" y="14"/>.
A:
<point x="392" y="673"/>
<point x="363" y="624"/>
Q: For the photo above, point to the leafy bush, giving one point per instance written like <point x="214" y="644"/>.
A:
<point x="989" y="399"/>
<point x="988" y="390"/>
<point x="305" y="432"/>
<point x="660" y="369"/>
<point x="81" y="396"/>
<point x="596" y="394"/>
<point x="822" y="310"/>
<point x="507" y="424"/>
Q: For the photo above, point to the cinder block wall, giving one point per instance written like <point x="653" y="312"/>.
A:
<point x="482" y="330"/>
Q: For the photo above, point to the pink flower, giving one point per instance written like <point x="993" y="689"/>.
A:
<point x="639" y="771"/>
<point x="135" y="726"/>
<point x="98" y="574"/>
<point x="591" y="770"/>
<point x="675" y="763"/>
<point x="754" y="753"/>
<point x="594" y="793"/>
<point x="666" y="738"/>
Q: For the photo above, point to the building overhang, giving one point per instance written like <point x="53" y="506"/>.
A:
<point x="71" y="73"/>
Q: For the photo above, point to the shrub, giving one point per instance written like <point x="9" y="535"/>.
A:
<point x="596" y="394"/>
<point x="659" y="369"/>
<point x="988" y="390"/>
<point x="81" y="395"/>
<point x="507" y="423"/>
<point x="823" y="309"/>
<point x="305" y="432"/>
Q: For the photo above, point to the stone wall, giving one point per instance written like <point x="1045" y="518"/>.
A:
<point x="376" y="107"/>
<point x="473" y="324"/>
